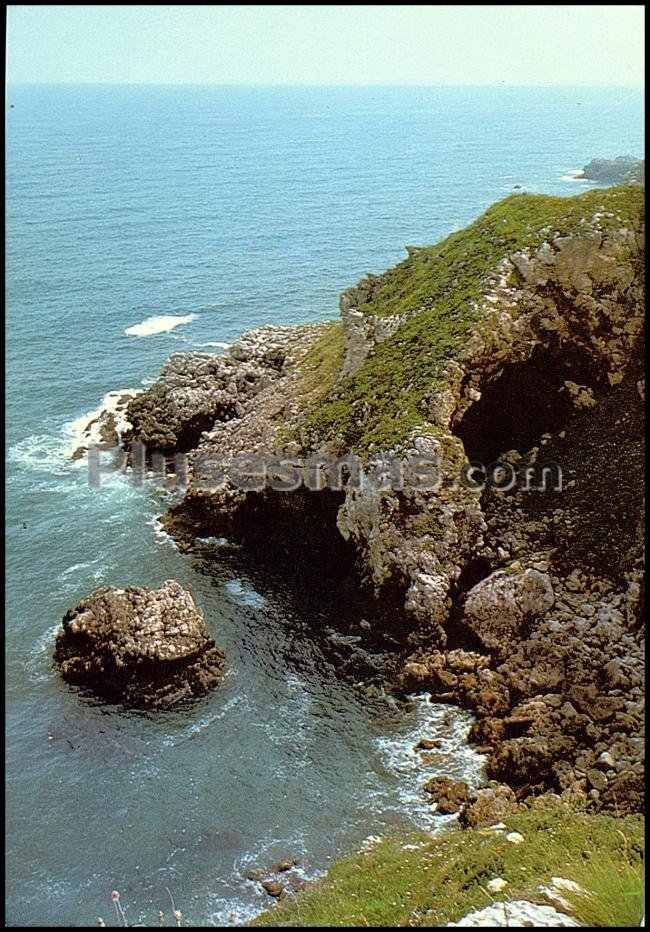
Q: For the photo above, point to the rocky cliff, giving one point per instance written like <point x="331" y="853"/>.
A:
<point x="517" y="340"/>
<point x="625" y="169"/>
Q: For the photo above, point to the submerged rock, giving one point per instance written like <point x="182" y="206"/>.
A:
<point x="139" y="646"/>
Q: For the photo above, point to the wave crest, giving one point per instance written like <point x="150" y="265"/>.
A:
<point x="163" y="323"/>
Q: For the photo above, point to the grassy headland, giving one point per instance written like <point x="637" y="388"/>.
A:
<point x="421" y="880"/>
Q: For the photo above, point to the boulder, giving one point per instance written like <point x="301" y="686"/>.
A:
<point x="449" y="794"/>
<point x="530" y="761"/>
<point x="624" y="794"/>
<point x="496" y="608"/>
<point x="488" y="806"/>
<point x="138" y="646"/>
<point x="273" y="888"/>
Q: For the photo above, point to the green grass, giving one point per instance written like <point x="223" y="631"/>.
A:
<point x="321" y="364"/>
<point x="445" y="877"/>
<point x="384" y="400"/>
<point x="613" y="893"/>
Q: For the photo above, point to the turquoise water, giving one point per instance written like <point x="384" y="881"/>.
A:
<point x="234" y="208"/>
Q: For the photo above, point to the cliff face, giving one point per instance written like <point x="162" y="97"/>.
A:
<point x="518" y="339"/>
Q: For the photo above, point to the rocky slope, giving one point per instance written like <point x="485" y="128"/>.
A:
<point x="518" y="339"/>
<point x="141" y="647"/>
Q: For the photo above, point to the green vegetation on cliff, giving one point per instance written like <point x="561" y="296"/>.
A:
<point x="441" y="287"/>
<point x="421" y="880"/>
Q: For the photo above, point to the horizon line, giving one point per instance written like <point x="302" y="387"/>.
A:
<point x="307" y="84"/>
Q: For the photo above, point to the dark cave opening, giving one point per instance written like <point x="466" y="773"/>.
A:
<point x="190" y="433"/>
<point x="458" y="635"/>
<point x="298" y="530"/>
<point x="524" y="401"/>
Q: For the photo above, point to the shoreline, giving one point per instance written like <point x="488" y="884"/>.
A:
<point x="491" y="603"/>
<point x="274" y="378"/>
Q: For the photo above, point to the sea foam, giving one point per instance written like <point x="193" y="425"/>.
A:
<point x="218" y="343"/>
<point x="160" y="324"/>
<point x="82" y="431"/>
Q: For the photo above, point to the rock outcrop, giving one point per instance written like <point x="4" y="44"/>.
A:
<point x="625" y="169"/>
<point x="447" y="795"/>
<point x="489" y="805"/>
<point x="141" y="647"/>
<point x="195" y="391"/>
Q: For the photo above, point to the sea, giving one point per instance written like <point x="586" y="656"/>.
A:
<point x="145" y="220"/>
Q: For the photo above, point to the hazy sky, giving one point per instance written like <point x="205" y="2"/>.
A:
<point x="327" y="44"/>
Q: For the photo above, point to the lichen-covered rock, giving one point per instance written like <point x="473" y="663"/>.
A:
<point x="138" y="646"/>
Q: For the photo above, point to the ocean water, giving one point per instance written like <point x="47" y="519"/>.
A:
<point x="145" y="220"/>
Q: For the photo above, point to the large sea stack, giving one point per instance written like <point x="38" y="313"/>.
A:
<point x="144" y="648"/>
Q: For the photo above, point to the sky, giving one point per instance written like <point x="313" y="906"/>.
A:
<point x="412" y="45"/>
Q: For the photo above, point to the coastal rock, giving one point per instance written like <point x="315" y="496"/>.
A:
<point x="489" y="805"/>
<point x="427" y="744"/>
<point x="496" y="608"/>
<point x="448" y="794"/>
<point x="624" y="794"/>
<point x="530" y="360"/>
<point x="625" y="169"/>
<point x="196" y="391"/>
<point x="138" y="646"/>
<point x="104" y="428"/>
<point x="273" y="888"/>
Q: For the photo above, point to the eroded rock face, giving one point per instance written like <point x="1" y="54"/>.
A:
<point x="195" y="391"/>
<point x="138" y="646"/>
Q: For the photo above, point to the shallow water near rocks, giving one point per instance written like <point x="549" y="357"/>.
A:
<point x="285" y="759"/>
<point x="133" y="209"/>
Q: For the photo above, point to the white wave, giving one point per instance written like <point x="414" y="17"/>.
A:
<point x="75" y="569"/>
<point x="163" y="323"/>
<point x="575" y="174"/>
<point x="218" y="542"/>
<point x="39" y="452"/>
<point x="244" y="594"/>
<point x="82" y="431"/>
<point x="159" y="531"/>
<point x="235" y="912"/>
<point x="454" y="758"/>
<point x="218" y="343"/>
